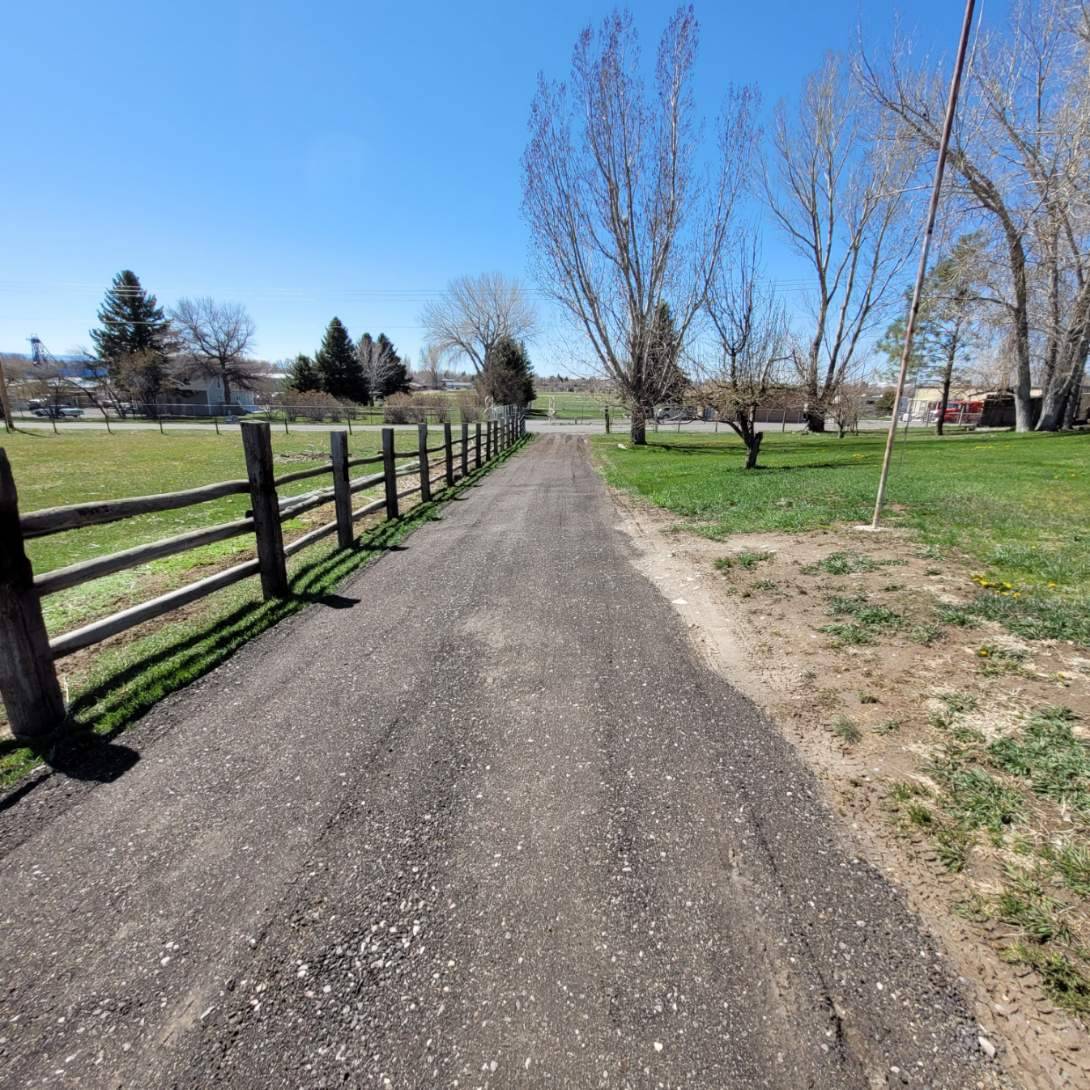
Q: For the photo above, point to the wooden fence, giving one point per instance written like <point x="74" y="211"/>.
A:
<point x="28" y="680"/>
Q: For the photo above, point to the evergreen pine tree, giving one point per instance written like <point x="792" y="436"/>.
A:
<point x="339" y="370"/>
<point x="303" y="376"/>
<point x="133" y="326"/>
<point x="397" y="378"/>
<point x="664" y="352"/>
<point x="508" y="376"/>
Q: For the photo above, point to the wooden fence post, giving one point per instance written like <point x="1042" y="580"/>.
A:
<point x="28" y="681"/>
<point x="389" y="469"/>
<point x="448" y="449"/>
<point x="465" y="449"/>
<point x="342" y="497"/>
<point x="478" y="446"/>
<point x="257" y="446"/>
<point x="422" y="447"/>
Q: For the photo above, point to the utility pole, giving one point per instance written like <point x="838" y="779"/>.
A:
<point x="929" y="230"/>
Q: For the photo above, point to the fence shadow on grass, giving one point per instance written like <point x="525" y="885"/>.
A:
<point x="118" y="698"/>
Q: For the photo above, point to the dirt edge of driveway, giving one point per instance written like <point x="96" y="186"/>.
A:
<point x="762" y="634"/>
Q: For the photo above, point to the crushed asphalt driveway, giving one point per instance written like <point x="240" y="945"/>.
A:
<point x="483" y="819"/>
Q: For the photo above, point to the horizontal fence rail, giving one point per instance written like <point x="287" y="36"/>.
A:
<point x="28" y="679"/>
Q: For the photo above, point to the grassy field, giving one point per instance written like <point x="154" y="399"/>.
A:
<point x="1014" y="507"/>
<point x="574" y="406"/>
<point x="111" y="685"/>
<point x="91" y="465"/>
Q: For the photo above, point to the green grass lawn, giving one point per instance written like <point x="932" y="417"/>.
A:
<point x="76" y="467"/>
<point x="1016" y="508"/>
<point x="52" y="470"/>
<point x="116" y="682"/>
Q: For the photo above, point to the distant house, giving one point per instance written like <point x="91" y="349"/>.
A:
<point x="202" y="395"/>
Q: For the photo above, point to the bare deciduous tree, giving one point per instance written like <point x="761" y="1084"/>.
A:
<point x="751" y="330"/>
<point x="217" y="337"/>
<point x="835" y="189"/>
<point x="475" y="313"/>
<point x="380" y="362"/>
<point x="1021" y="162"/>
<point x="620" y="219"/>
<point x="429" y="372"/>
<point x="847" y="406"/>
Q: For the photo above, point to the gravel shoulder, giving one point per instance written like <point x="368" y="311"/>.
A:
<point x="486" y="820"/>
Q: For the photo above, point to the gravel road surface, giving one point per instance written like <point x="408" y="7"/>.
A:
<point x="484" y="819"/>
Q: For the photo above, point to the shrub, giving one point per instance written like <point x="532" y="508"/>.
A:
<point x="399" y="409"/>
<point x="312" y="405"/>
<point x="471" y="406"/>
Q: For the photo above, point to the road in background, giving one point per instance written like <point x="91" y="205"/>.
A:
<point x="534" y="424"/>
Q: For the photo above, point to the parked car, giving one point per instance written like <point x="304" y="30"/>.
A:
<point x="58" y="411"/>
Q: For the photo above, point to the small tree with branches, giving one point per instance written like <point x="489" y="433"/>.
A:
<point x="751" y="333"/>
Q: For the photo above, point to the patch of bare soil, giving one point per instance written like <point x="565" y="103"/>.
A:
<point x="869" y="716"/>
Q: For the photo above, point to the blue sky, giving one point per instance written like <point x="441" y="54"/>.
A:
<point x="343" y="159"/>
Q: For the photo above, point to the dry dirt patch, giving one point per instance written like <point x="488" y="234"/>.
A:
<point x="841" y="636"/>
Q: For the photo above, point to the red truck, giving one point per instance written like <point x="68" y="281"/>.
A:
<point x="957" y="412"/>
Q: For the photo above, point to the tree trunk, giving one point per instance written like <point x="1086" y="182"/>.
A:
<point x="1066" y="386"/>
<point x="226" y="388"/>
<point x="638" y="431"/>
<point x="1023" y="405"/>
<point x="815" y="419"/>
<point x="947" y="375"/>
<point x="753" y="448"/>
<point x="1074" y="400"/>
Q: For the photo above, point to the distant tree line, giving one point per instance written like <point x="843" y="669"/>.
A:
<point x="143" y="353"/>
<point x="363" y="372"/>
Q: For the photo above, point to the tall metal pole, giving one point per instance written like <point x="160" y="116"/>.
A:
<point x="929" y="230"/>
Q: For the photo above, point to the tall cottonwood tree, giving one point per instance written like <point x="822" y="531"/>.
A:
<point x="619" y="215"/>
<point x="835" y="189"/>
<point x="1020" y="167"/>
